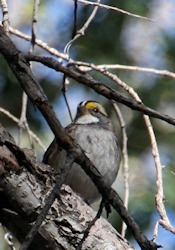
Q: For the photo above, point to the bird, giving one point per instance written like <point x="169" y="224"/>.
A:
<point x="94" y="132"/>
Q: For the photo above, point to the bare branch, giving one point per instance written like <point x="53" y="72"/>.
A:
<point x="34" y="21"/>
<point x="38" y="42"/>
<point x="140" y="69"/>
<point x="8" y="114"/>
<point x="17" y="121"/>
<point x="81" y="32"/>
<point x="5" y="14"/>
<point x="65" y="83"/>
<point x="114" y="9"/>
<point x="159" y="182"/>
<point x="85" y="67"/>
<point x="101" y="88"/>
<point x="77" y="34"/>
<point x="23" y="118"/>
<point x="125" y="162"/>
<point x="155" y="232"/>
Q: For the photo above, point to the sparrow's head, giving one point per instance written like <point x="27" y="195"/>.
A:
<point x="90" y="112"/>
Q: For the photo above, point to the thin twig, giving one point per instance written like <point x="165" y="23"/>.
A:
<point x="75" y="19"/>
<point x="34" y="22"/>
<point x="140" y="69"/>
<point x="76" y="35"/>
<point x="23" y="118"/>
<point x="8" y="114"/>
<point x="39" y="43"/>
<point x="155" y="232"/>
<point x="5" y="14"/>
<point x="81" y="32"/>
<point x="108" y="7"/>
<point x="125" y="162"/>
<point x="164" y="221"/>
<point x="64" y="89"/>
<point x="17" y="121"/>
<point x="86" y="67"/>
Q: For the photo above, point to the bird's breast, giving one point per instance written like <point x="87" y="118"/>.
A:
<point x="100" y="146"/>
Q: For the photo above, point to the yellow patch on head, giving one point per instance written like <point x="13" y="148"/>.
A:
<point x="91" y="105"/>
<point x="95" y="106"/>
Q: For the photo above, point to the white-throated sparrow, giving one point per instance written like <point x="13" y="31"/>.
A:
<point x="94" y="132"/>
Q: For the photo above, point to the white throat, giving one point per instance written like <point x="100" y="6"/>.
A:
<point x="86" y="119"/>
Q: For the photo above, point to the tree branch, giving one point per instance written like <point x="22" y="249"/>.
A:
<point x="101" y="88"/>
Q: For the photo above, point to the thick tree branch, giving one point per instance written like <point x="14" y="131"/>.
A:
<point x="22" y="71"/>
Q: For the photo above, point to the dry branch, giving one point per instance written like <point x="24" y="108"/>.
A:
<point x="5" y="14"/>
<point x="101" y="88"/>
<point x="108" y="7"/>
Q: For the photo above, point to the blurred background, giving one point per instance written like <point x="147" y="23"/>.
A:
<point x="112" y="38"/>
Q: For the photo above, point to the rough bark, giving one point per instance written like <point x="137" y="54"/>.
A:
<point x="24" y="185"/>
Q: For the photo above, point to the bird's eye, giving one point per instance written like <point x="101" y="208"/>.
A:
<point x="96" y="110"/>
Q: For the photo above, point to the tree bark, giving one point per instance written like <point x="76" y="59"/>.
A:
<point x="24" y="185"/>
